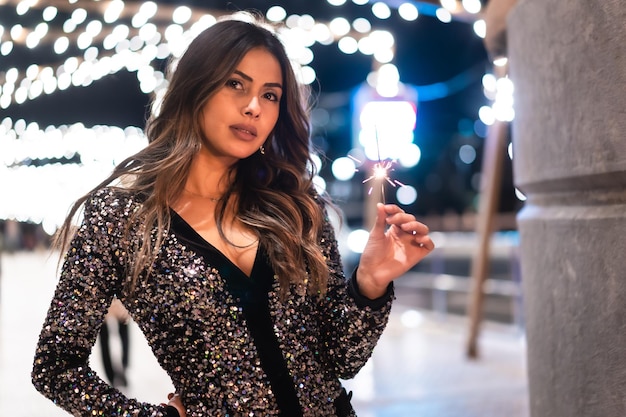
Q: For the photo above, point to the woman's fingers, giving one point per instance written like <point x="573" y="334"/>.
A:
<point x="425" y="242"/>
<point x="409" y="225"/>
<point x="397" y="216"/>
<point x="414" y="227"/>
<point x="392" y="208"/>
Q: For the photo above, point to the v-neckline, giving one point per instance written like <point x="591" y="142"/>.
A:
<point x="205" y="243"/>
<point x="251" y="294"/>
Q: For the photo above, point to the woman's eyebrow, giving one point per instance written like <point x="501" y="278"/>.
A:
<point x="249" y="78"/>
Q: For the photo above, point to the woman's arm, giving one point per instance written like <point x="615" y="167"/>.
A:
<point x="350" y="324"/>
<point x="89" y="278"/>
<point x="355" y="311"/>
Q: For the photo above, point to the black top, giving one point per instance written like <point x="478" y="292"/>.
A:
<point x="251" y="294"/>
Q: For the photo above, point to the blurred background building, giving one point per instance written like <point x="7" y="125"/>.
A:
<point x="406" y="85"/>
<point x="404" y="81"/>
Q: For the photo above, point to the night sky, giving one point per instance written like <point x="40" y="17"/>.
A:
<point x="429" y="54"/>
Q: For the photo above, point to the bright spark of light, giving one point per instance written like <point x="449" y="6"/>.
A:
<point x="381" y="172"/>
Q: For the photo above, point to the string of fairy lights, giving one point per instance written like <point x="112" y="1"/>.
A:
<point x="138" y="45"/>
<point x="95" y="39"/>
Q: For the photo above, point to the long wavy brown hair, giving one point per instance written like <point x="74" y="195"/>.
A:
<point x="274" y="191"/>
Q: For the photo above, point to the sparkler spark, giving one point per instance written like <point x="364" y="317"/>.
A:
<point x="381" y="172"/>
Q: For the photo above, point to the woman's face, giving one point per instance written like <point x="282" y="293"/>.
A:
<point x="240" y="116"/>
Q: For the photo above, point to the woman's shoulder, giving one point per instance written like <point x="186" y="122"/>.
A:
<point x="113" y="200"/>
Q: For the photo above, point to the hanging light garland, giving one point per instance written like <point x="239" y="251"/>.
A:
<point x="148" y="42"/>
<point x="137" y="37"/>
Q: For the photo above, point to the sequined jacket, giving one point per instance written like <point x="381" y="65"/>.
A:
<point x="195" y="327"/>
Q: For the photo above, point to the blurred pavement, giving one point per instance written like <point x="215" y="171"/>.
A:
<point x="418" y="369"/>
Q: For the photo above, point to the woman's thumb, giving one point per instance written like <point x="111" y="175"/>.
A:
<point x="379" y="224"/>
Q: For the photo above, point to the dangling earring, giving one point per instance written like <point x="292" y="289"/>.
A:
<point x="262" y="150"/>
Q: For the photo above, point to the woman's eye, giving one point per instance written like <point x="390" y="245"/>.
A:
<point x="234" y="84"/>
<point x="271" y="96"/>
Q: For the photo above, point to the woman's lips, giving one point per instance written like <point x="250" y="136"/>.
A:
<point x="245" y="132"/>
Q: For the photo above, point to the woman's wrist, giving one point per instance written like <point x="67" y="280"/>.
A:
<point x="362" y="301"/>
<point x="367" y="286"/>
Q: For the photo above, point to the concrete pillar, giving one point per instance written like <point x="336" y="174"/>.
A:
<point x="568" y="63"/>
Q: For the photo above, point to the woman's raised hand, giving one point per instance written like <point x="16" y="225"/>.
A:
<point x="391" y="251"/>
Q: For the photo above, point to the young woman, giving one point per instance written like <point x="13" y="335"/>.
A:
<point x="219" y="247"/>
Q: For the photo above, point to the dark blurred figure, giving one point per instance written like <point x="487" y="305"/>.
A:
<point x="117" y="319"/>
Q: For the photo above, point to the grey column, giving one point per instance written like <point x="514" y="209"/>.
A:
<point x="568" y="63"/>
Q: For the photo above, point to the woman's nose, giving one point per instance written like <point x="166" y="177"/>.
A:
<point x="253" y="108"/>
